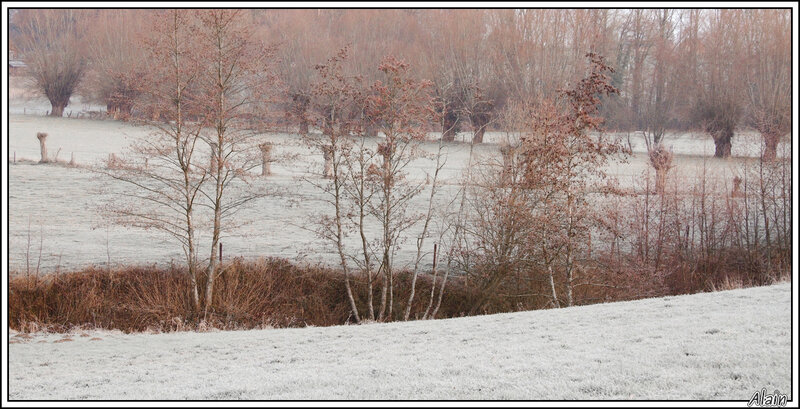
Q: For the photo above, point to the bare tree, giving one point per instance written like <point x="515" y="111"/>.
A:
<point x="660" y="96"/>
<point x="719" y="106"/>
<point x="50" y="41"/>
<point x="301" y="47"/>
<point x="769" y="68"/>
<point x="441" y="161"/>
<point x="118" y="60"/>
<point x="161" y="171"/>
<point x="238" y="83"/>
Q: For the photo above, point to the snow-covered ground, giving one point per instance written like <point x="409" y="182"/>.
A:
<point x="718" y="346"/>
<point x="56" y="206"/>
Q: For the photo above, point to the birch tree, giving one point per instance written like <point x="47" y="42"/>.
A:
<point x="161" y="170"/>
<point x="238" y="84"/>
<point x="335" y="102"/>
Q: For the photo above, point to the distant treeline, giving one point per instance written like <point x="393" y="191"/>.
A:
<point x="674" y="68"/>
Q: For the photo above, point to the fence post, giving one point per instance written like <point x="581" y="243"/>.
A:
<point x="42" y="137"/>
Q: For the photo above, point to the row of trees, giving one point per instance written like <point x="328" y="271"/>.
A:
<point x="713" y="70"/>
<point x="541" y="224"/>
<point x="207" y="97"/>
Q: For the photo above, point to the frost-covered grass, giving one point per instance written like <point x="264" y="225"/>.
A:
<point x="56" y="206"/>
<point x="720" y="346"/>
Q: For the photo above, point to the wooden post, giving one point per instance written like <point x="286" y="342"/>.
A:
<point x="737" y="185"/>
<point x="507" y="152"/>
<point x="661" y="159"/>
<point x="43" y="146"/>
<point x="266" y="158"/>
<point x="72" y="159"/>
<point x="327" y="154"/>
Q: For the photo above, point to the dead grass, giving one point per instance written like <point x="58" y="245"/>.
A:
<point x="255" y="294"/>
<point x="266" y="293"/>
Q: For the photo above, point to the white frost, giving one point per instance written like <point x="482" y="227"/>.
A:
<point x="721" y="346"/>
<point x="57" y="206"/>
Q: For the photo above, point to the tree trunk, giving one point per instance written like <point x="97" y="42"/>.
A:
<point x="58" y="108"/>
<point x="450" y="127"/>
<point x="364" y="243"/>
<point x="370" y="130"/>
<point x="42" y="146"/>
<point x="770" y="146"/>
<point x="387" y="235"/>
<point x="193" y="272"/>
<point x="337" y="186"/>
<point x="569" y="287"/>
<point x="389" y="315"/>
<point x="661" y="179"/>
<point x="213" y="266"/>
<point x="433" y="284"/>
<point x="299" y="107"/>
<point x="449" y="135"/>
<point x="384" y="290"/>
<point x="570" y="261"/>
<point x="479" y="122"/>
<point x="553" y="287"/>
<point x="327" y="155"/>
<point x="661" y="160"/>
<point x="478" y="137"/>
<point x="303" y="127"/>
<point x="507" y="153"/>
<point x="117" y="109"/>
<point x="722" y="140"/>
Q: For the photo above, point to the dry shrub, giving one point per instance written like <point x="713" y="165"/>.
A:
<point x="274" y="292"/>
<point x="131" y="299"/>
<point x="254" y="294"/>
<point x="699" y="233"/>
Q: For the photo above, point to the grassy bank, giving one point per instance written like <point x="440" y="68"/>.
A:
<point x="253" y="294"/>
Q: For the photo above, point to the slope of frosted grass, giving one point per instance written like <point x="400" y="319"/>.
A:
<point x="720" y="346"/>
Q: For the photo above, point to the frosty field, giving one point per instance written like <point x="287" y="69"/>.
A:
<point x="56" y="207"/>
<point x="718" y="346"/>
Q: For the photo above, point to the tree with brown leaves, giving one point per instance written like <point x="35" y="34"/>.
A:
<point x="400" y="108"/>
<point x="335" y="104"/>
<point x="533" y="212"/>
